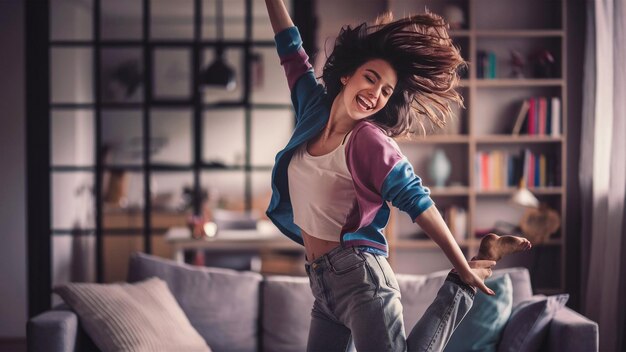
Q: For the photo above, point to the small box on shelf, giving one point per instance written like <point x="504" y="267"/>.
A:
<point x="486" y="67"/>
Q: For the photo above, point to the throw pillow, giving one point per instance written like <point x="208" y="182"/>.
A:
<point x="132" y="317"/>
<point x="529" y="323"/>
<point x="482" y="327"/>
<point x="222" y="304"/>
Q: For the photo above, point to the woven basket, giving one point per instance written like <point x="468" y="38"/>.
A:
<point x="539" y="224"/>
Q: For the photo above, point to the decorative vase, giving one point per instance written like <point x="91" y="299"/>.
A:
<point x="439" y="168"/>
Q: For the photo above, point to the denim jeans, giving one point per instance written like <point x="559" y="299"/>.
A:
<point x="357" y="298"/>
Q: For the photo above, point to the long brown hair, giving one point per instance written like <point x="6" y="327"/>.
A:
<point x="426" y="62"/>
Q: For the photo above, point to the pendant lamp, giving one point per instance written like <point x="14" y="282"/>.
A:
<point x="219" y="74"/>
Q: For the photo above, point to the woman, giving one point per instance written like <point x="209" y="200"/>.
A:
<point x="331" y="182"/>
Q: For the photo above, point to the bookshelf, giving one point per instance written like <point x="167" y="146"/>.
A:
<point x="485" y="126"/>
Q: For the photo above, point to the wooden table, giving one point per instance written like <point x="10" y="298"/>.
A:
<point x="265" y="245"/>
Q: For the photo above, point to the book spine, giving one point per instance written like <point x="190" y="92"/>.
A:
<point x="518" y="166"/>
<point x="498" y="167"/>
<point x="505" y="169"/>
<point x="556" y="117"/>
<point x="531" y="116"/>
<point x="549" y="117"/>
<point x="509" y="172"/>
<point x="542" y="168"/>
<point x="542" y="116"/>
<point x="537" y="178"/>
<point x="528" y="168"/>
<point x="478" y="170"/>
<point x="492" y="65"/>
<point x="485" y="171"/>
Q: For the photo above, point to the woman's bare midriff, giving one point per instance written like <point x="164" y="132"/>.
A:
<point x="316" y="247"/>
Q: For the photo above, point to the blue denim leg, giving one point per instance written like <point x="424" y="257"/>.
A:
<point x="374" y="314"/>
<point x="327" y="333"/>
<point x="434" y="329"/>
<point x="357" y="296"/>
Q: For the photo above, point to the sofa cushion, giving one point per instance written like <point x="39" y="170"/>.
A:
<point x="529" y="322"/>
<point x="482" y="327"/>
<point x="286" y="313"/>
<point x="132" y="317"/>
<point x="419" y="291"/>
<point x="222" y="304"/>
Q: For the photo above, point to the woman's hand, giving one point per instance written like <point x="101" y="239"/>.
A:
<point x="476" y="275"/>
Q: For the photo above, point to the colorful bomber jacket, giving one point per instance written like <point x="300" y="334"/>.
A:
<point x="380" y="172"/>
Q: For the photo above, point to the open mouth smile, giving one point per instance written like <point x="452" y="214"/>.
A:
<point x="364" y="103"/>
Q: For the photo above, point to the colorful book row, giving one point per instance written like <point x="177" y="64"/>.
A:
<point x="539" y="116"/>
<point x="499" y="169"/>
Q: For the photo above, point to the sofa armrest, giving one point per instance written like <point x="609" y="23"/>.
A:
<point x="54" y="330"/>
<point x="570" y="331"/>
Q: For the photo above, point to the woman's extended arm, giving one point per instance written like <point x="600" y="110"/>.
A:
<point x="433" y="224"/>
<point x="279" y="17"/>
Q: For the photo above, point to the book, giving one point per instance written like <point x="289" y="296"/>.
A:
<point x="532" y="115"/>
<point x="526" y="167"/>
<point x="542" y="170"/>
<point x="492" y="65"/>
<point x="485" y="171"/>
<point x="480" y="67"/>
<point x="541" y="127"/>
<point x="555" y="117"/>
<point x="549" y="118"/>
<point x="536" y="178"/>
<point x="522" y="114"/>
<point x="478" y="170"/>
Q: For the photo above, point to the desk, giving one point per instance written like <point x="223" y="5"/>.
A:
<point x="265" y="244"/>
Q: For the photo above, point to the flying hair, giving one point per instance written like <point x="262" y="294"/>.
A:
<point x="426" y="62"/>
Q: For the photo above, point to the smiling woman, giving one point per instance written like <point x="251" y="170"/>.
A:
<point x="332" y="181"/>
<point x="370" y="87"/>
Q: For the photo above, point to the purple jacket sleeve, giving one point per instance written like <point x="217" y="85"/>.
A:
<point x="382" y="173"/>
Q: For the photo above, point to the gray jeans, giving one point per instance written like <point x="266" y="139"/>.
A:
<point x="357" y="297"/>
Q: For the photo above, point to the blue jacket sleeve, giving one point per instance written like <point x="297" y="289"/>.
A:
<point x="405" y="191"/>
<point x="305" y="89"/>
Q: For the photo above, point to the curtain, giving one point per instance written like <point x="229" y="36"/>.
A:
<point x="602" y="170"/>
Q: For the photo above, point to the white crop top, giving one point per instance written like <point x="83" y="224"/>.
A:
<point x="321" y="191"/>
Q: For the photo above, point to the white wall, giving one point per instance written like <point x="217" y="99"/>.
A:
<point x="332" y="15"/>
<point x="13" y="293"/>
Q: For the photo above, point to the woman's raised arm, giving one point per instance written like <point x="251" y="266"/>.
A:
<point x="279" y="17"/>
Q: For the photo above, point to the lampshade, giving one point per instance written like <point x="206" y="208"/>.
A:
<point x="524" y="198"/>
<point x="129" y="75"/>
<point x="218" y="75"/>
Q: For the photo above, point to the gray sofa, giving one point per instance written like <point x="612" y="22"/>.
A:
<point x="244" y="311"/>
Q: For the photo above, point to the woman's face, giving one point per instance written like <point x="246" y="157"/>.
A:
<point x="367" y="90"/>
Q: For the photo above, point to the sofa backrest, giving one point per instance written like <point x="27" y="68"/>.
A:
<point x="242" y="311"/>
<point x="222" y="304"/>
<point x="287" y="302"/>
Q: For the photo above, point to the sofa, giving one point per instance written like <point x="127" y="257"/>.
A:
<point x="244" y="311"/>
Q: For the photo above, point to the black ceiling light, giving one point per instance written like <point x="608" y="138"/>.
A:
<point x="219" y="74"/>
